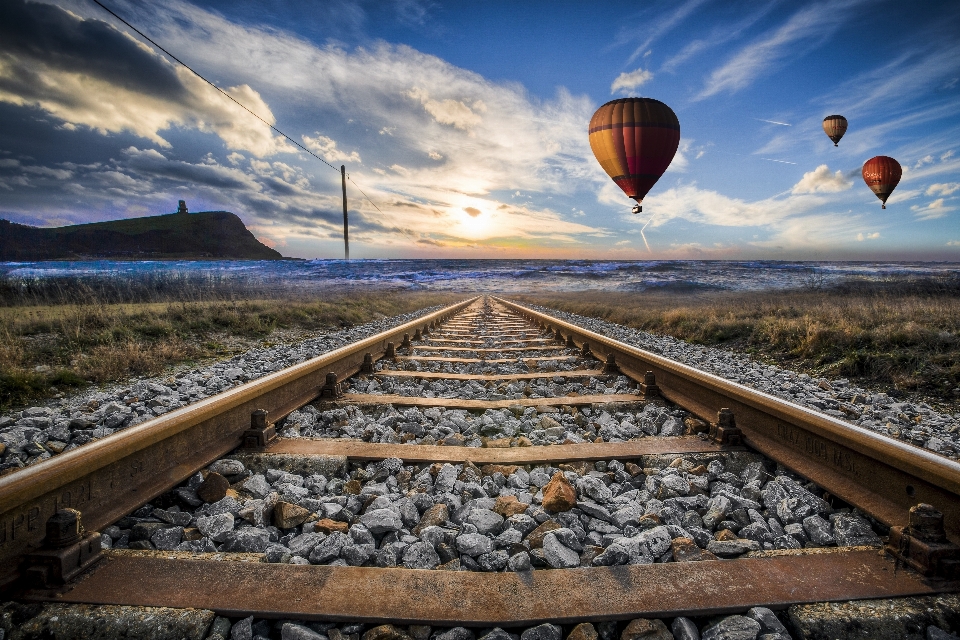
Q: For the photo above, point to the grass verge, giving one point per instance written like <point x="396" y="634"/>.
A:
<point x="901" y="336"/>
<point x="48" y="349"/>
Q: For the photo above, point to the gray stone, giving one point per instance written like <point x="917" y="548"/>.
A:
<point x="493" y="561"/>
<point x="420" y="555"/>
<point x="357" y="554"/>
<point x="216" y="527"/>
<point x="732" y="548"/>
<point x="247" y="540"/>
<point x="936" y="633"/>
<point x="457" y="633"/>
<point x="854" y="531"/>
<point x="257" y="485"/>
<point x="242" y="630"/>
<point x="167" y="539"/>
<point x="768" y="621"/>
<point x="303" y="544"/>
<point x="474" y="544"/>
<point x="684" y="629"/>
<point x="890" y="619"/>
<point x="519" y="562"/>
<point x="381" y="521"/>
<point x="485" y="520"/>
<point x="445" y="478"/>
<point x="293" y="631"/>
<point x="819" y="531"/>
<point x="559" y="556"/>
<point x="329" y="548"/>
<point x="499" y="634"/>
<point x="733" y="628"/>
<point x="654" y="542"/>
<point x="227" y="467"/>
<point x="544" y="631"/>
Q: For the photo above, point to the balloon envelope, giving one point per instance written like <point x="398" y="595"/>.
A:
<point x="634" y="139"/>
<point x="835" y="127"/>
<point x="882" y="174"/>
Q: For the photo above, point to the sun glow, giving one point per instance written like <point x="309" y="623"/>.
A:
<point x="474" y="222"/>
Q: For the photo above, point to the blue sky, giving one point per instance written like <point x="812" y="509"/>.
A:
<point x="465" y="124"/>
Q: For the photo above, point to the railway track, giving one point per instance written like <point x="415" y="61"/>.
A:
<point x="486" y="466"/>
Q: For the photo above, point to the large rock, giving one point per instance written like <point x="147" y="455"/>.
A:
<point x="474" y="544"/>
<point x="508" y="506"/>
<point x="420" y="555"/>
<point x="583" y="631"/>
<point x="432" y="517"/>
<point x="733" y="628"/>
<point x="216" y="527"/>
<point x="646" y="629"/>
<point x="544" y="631"/>
<point x="853" y="531"/>
<point x="536" y="536"/>
<point x="381" y="521"/>
<point x="287" y="515"/>
<point x="213" y="488"/>
<point x="559" y="494"/>
<point x="559" y="556"/>
<point x="485" y="520"/>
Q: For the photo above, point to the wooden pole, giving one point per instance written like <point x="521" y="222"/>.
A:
<point x="346" y="233"/>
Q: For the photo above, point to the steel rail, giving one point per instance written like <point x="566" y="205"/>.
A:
<point x="882" y="476"/>
<point x="109" y="478"/>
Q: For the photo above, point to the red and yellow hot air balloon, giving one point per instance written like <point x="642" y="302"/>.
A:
<point x="635" y="139"/>
<point x="835" y="127"/>
<point x="882" y="174"/>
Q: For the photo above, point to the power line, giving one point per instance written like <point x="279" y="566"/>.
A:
<point x="234" y="100"/>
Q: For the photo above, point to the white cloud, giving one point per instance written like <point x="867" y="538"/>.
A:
<point x="435" y="156"/>
<point x="869" y="236"/>
<point x="122" y="85"/>
<point x="820" y="180"/>
<point x="448" y="111"/>
<point x="943" y="188"/>
<point x="810" y="23"/>
<point x="946" y="156"/>
<point x="953" y="243"/>
<point x="630" y="82"/>
<point x="327" y="147"/>
<point x="928" y="159"/>
<point x="932" y="211"/>
<point x="657" y="28"/>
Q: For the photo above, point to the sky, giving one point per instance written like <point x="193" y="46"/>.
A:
<point x="463" y="125"/>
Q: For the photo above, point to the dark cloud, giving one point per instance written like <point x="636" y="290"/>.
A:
<point x="47" y="34"/>
<point x="473" y="212"/>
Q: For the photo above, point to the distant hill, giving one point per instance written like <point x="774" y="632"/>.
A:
<point x="176" y="236"/>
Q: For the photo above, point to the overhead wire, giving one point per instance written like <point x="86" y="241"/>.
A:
<point x="228" y="96"/>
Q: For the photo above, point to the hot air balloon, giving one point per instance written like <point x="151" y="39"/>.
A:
<point x="882" y="174"/>
<point x="635" y="139"/>
<point x="835" y="127"/>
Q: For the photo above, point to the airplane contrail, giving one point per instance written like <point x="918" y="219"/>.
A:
<point x="645" y="237"/>
<point x="782" y="124"/>
<point x="782" y="161"/>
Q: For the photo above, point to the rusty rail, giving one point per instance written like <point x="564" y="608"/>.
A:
<point x="111" y="477"/>
<point x="881" y="476"/>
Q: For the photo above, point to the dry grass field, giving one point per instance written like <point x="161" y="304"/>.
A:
<point x="69" y="335"/>
<point x="899" y="336"/>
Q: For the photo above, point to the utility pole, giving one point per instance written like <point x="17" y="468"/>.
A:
<point x="346" y="233"/>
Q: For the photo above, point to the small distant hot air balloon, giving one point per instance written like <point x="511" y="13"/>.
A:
<point x="634" y="140"/>
<point x="835" y="127"/>
<point x="882" y="174"/>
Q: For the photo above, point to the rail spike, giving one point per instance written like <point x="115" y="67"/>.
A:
<point x="923" y="546"/>
<point x="725" y="432"/>
<point x="367" y="367"/>
<point x="649" y="386"/>
<point x="67" y="551"/>
<point x="261" y="433"/>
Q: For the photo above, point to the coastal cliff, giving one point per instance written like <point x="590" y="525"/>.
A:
<point x="207" y="235"/>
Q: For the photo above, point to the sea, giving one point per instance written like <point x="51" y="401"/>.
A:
<point x="504" y="276"/>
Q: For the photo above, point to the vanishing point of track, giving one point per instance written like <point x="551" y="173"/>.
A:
<point x="45" y="555"/>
